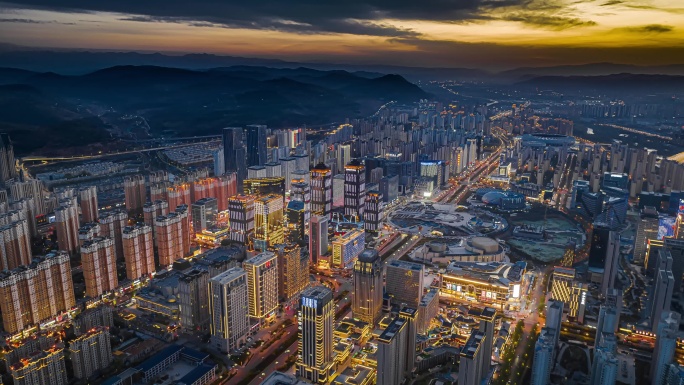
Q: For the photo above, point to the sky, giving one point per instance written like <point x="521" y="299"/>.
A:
<point x="431" y="33"/>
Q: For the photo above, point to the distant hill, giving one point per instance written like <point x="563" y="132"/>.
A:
<point x="594" y="69"/>
<point x="609" y="83"/>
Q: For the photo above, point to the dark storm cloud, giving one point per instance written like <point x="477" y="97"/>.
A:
<point x="301" y="16"/>
<point x="651" y="28"/>
<point x="549" y="22"/>
<point x="31" y="21"/>
<point x="612" y="2"/>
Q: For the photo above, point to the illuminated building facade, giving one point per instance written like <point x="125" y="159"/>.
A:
<point x="404" y="282"/>
<point x="262" y="285"/>
<point x="41" y="368"/>
<point x="372" y="215"/>
<point x="66" y="223"/>
<point x="99" y="266"/>
<point x="316" y="316"/>
<point x="354" y="189"/>
<point x="111" y="225"/>
<point x="347" y="247"/>
<point x="296" y="222"/>
<point x="90" y="352"/>
<point x="268" y="221"/>
<point x="496" y="283"/>
<point x="15" y="244"/>
<point x="88" y="198"/>
<point x="368" y="288"/>
<point x="134" y="191"/>
<point x="154" y="209"/>
<point x="241" y="217"/>
<point x="204" y="213"/>
<point x="321" y="190"/>
<point x="228" y="309"/>
<point x="293" y="270"/>
<point x="264" y="186"/>
<point x="138" y="251"/>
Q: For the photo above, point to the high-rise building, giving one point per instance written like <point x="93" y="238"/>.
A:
<point x="178" y="194"/>
<point x="367" y="293"/>
<point x="154" y="209"/>
<point x="90" y="352"/>
<point x="264" y="186"/>
<point x="193" y="300"/>
<point x="410" y="315"/>
<point x="647" y="228"/>
<point x="88" y="197"/>
<point x="604" y="368"/>
<point x="665" y="345"/>
<point x="392" y="351"/>
<point x="112" y="224"/>
<point x="604" y="255"/>
<point x="404" y="282"/>
<point x="354" y="189"/>
<point x="561" y="284"/>
<point x="204" y="213"/>
<point x="301" y="191"/>
<point x="608" y="322"/>
<point x="486" y="317"/>
<point x="32" y="188"/>
<point x="470" y="367"/>
<point x="99" y="266"/>
<point x="15" y="242"/>
<point x="41" y="368"/>
<point x="35" y="293"/>
<point x="138" y="250"/>
<point x="674" y="375"/>
<point x="318" y="238"/>
<point x="427" y="310"/>
<point x="268" y="221"/>
<point x="232" y="140"/>
<point x="228" y="309"/>
<point x="226" y="187"/>
<point x="241" y="217"/>
<point x="169" y="236"/>
<point x="347" y="247"/>
<point x="293" y="270"/>
<point x="676" y="249"/>
<point x="543" y="357"/>
<point x="66" y="223"/>
<point x="255" y="135"/>
<point x="135" y="192"/>
<point x="262" y="285"/>
<point x="296" y="222"/>
<point x="373" y="215"/>
<point x="662" y="294"/>
<point x="321" y="190"/>
<point x="578" y="302"/>
<point x="316" y="316"/>
<point x="8" y="169"/>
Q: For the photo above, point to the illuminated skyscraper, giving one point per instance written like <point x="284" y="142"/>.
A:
<point x="178" y="194"/>
<point x="293" y="270"/>
<point x="262" y="285"/>
<point x="316" y="316"/>
<point x="88" y="197"/>
<point x="138" y="251"/>
<point x="241" y="217"/>
<point x="66" y="222"/>
<point x="268" y="221"/>
<point x="228" y="309"/>
<point x="99" y="266"/>
<point x="15" y="241"/>
<point x="154" y="209"/>
<point x="470" y="368"/>
<point x="296" y="222"/>
<point x="318" y="238"/>
<point x="665" y="345"/>
<point x="321" y="190"/>
<point x="347" y="247"/>
<point x="135" y="192"/>
<point x="8" y="169"/>
<point x="647" y="228"/>
<point x="169" y="236"/>
<point x="256" y="145"/>
<point x="42" y="368"/>
<point x="111" y="225"/>
<point x="367" y="294"/>
<point x="372" y="215"/>
<point x="90" y="352"/>
<point x="404" y="282"/>
<point x="204" y="214"/>
<point x="301" y="192"/>
<point x="354" y="189"/>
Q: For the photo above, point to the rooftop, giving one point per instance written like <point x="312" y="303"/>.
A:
<point x="392" y="329"/>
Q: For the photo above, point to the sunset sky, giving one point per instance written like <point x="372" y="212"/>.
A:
<point x="456" y="33"/>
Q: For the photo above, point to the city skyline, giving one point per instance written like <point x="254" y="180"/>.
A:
<point x="474" y="33"/>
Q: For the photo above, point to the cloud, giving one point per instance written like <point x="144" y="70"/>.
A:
<point x="612" y="2"/>
<point x="32" y="21"/>
<point x="651" y="29"/>
<point x="550" y="22"/>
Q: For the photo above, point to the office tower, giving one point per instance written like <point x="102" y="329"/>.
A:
<point x="604" y="255"/>
<point x="178" y="194"/>
<point x="135" y="192"/>
<point x="321" y="190"/>
<point x="486" y="318"/>
<point x="232" y="139"/>
<point x="90" y="352"/>
<point x="296" y="222"/>
<point x="112" y="224"/>
<point x="88" y="197"/>
<point x="404" y="282"/>
<point x="169" y="235"/>
<point x="410" y="315"/>
<point x="66" y="223"/>
<point x="662" y="295"/>
<point x="343" y="156"/>
<point x="665" y="345"/>
<point x="389" y="187"/>
<point x="367" y="293"/>
<point x="392" y="350"/>
<point x="608" y="322"/>
<point x="470" y="367"/>
<point x="373" y="216"/>
<point x="8" y="169"/>
<point x="542" y="363"/>
<point x="35" y="293"/>
<point x="347" y="247"/>
<point x="256" y="145"/>
<point x="204" y="213"/>
<point x="262" y="285"/>
<point x="647" y="228"/>
<point x="604" y="367"/>
<point x="138" y="250"/>
<point x="228" y="309"/>
<point x="99" y="266"/>
<point x="42" y="368"/>
<point x="268" y="221"/>
<point x="293" y="270"/>
<point x="554" y="317"/>
<point x="241" y="217"/>
<point x="193" y="300"/>
<point x="15" y="242"/>
<point x="614" y="299"/>
<point x="427" y="310"/>
<point x="354" y="189"/>
<point x="676" y="248"/>
<point x="151" y="210"/>
<point x="301" y="192"/>
<point x="316" y="316"/>
<point x="318" y="238"/>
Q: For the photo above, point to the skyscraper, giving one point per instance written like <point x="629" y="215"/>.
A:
<point x="604" y="368"/>
<point x="88" y="197"/>
<point x="154" y="209"/>
<point x="604" y="256"/>
<point x="392" y="350"/>
<point x="135" y="192"/>
<point x="169" y="236"/>
<point x="410" y="315"/>
<point x="354" y="189"/>
<point x="268" y="221"/>
<point x="470" y="367"/>
<point x="8" y="169"/>
<point x="15" y="242"/>
<point x="262" y="285"/>
<point x="665" y="346"/>
<point x="112" y="224"/>
<point x="232" y="139"/>
<point x="241" y="217"/>
<point x="321" y="190"/>
<point x="228" y="309"/>
<point x="204" y="214"/>
<point x="293" y="270"/>
<point x="608" y="322"/>
<point x="66" y="222"/>
<point x="404" y="282"/>
<point x="367" y="293"/>
<point x="662" y="293"/>
<point x="676" y="248"/>
<point x="90" y="352"/>
<point x="35" y="293"/>
<point x="43" y="368"/>
<point x="193" y="299"/>
<point x="647" y="228"/>
<point x="138" y="250"/>
<point x="318" y="238"/>
<point x="543" y="357"/>
<point x="99" y="266"/>
<point x="486" y="317"/>
<point x="372" y="215"/>
<point x="347" y="247"/>
<point x="296" y="222"/>
<point x="316" y="316"/>
<point x="256" y="145"/>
